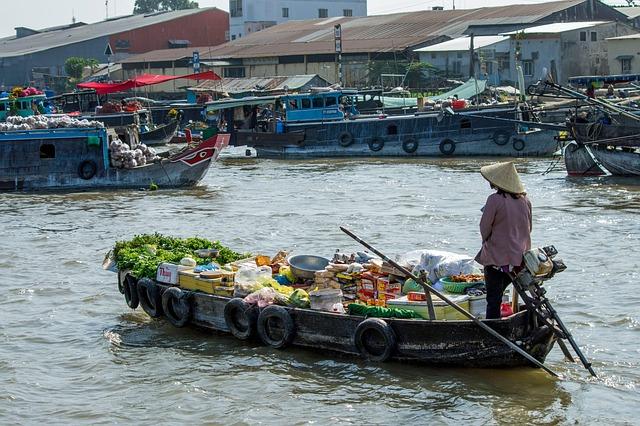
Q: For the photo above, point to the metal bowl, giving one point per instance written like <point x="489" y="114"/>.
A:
<point x="305" y="265"/>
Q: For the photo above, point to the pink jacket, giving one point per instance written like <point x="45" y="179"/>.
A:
<point x="506" y="230"/>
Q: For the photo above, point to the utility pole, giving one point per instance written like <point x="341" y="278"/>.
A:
<point x="106" y="7"/>
<point x="454" y="4"/>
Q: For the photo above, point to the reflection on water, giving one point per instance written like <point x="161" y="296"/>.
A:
<point x="71" y="347"/>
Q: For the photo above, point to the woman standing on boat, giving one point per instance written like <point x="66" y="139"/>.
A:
<point x="506" y="231"/>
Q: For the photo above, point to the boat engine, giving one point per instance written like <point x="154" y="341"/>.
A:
<point x="541" y="265"/>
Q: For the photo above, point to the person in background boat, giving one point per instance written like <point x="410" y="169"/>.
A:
<point x="610" y="92"/>
<point x="505" y="228"/>
<point x="591" y="91"/>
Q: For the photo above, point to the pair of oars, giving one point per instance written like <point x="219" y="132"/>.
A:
<point x="428" y="288"/>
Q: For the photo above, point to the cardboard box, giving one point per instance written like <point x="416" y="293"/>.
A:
<point x="190" y="280"/>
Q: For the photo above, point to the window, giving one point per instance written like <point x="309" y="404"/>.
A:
<point x="527" y="68"/>
<point x="323" y="13"/>
<point x="392" y="129"/>
<point x="583" y="36"/>
<point x="2" y="107"/>
<point x="625" y="65"/>
<point x="318" y="103"/>
<point x="594" y="36"/>
<point x="433" y="55"/>
<point x="293" y="104"/>
<point x="330" y="101"/>
<point x="285" y="12"/>
<point x="347" y="12"/>
<point x="459" y="55"/>
<point x="306" y="103"/>
<point x="233" y="37"/>
<point x="235" y="8"/>
<point x="457" y="67"/>
<point x="233" y="72"/>
<point x="47" y="151"/>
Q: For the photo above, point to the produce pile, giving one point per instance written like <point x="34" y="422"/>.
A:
<point x="122" y="156"/>
<point x="357" y="283"/>
<point x="44" y="122"/>
<point x="145" y="252"/>
<point x="19" y="92"/>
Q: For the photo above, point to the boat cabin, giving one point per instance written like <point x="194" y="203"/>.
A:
<point x="23" y="106"/>
<point x="319" y="106"/>
<point x="82" y="101"/>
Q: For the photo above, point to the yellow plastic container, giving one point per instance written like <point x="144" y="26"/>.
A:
<point x="442" y="310"/>
<point x="190" y="280"/>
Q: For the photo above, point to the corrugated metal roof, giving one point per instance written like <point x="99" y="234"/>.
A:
<point x="50" y="39"/>
<point x="631" y="12"/>
<point x="265" y="84"/>
<point x="627" y="37"/>
<point x="557" y="28"/>
<point x="463" y="44"/>
<point x="370" y="34"/>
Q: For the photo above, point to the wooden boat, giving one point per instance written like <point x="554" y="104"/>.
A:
<point x="325" y="124"/>
<point x="74" y="158"/>
<point x="161" y="135"/>
<point x="445" y="342"/>
<point x="619" y="161"/>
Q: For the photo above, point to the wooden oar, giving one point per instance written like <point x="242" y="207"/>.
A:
<point x="464" y="312"/>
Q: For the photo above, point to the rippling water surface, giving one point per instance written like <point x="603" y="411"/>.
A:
<point x="71" y="351"/>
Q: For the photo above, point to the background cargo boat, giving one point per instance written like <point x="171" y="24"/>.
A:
<point x="326" y="124"/>
<point x="79" y="158"/>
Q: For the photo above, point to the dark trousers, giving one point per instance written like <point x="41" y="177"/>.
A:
<point x="496" y="282"/>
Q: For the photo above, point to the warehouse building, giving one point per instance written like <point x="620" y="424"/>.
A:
<point x="42" y="53"/>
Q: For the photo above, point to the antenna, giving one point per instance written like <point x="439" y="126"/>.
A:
<point x="106" y="6"/>
<point x="454" y="4"/>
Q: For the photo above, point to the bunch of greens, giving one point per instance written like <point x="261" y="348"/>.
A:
<point x="145" y="252"/>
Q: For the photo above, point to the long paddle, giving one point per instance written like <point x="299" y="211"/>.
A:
<point x="464" y="312"/>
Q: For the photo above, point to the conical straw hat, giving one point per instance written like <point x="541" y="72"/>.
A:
<point x="503" y="176"/>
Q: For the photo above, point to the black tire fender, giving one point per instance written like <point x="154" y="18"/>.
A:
<point x="130" y="291"/>
<point x="121" y="277"/>
<point x="176" y="305"/>
<point x="87" y="169"/>
<point x="345" y="139"/>
<point x="150" y="297"/>
<point x="241" y="318"/>
<point x="501" y="137"/>
<point x="385" y="334"/>
<point x="376" y="144"/>
<point x="518" y="144"/>
<point x="447" y="147"/>
<point x="410" y="145"/>
<point x="287" y="327"/>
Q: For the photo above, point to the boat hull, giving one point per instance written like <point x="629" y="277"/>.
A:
<point x="579" y="162"/>
<point x="162" y="135"/>
<point x="457" y="343"/>
<point x="618" y="161"/>
<point x="408" y="136"/>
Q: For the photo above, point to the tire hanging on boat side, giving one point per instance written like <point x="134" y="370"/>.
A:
<point x="410" y="145"/>
<point x="345" y="139"/>
<point x="447" y="147"/>
<point x="277" y="319"/>
<point x="87" y="169"/>
<point x="176" y="305"/>
<point x="376" y="144"/>
<point x="130" y="291"/>
<point x="372" y="331"/>
<point x="150" y="297"/>
<point x="501" y="137"/>
<point x="241" y="318"/>
<point x="518" y="144"/>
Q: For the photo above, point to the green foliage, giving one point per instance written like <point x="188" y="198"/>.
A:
<point x="74" y="65"/>
<point x="145" y="252"/>
<point x="150" y="6"/>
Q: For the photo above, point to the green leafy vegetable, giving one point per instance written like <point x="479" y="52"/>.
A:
<point x="145" y="252"/>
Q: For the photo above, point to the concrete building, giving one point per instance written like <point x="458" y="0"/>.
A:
<point x="452" y="57"/>
<point x="250" y="16"/>
<point x="32" y="53"/>
<point x="563" y="49"/>
<point x="624" y="54"/>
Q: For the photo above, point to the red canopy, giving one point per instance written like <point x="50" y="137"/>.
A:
<point x="145" y="80"/>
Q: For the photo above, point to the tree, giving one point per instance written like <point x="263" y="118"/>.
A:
<point x="74" y="65"/>
<point x="150" y="6"/>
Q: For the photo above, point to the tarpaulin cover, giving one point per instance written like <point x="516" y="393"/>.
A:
<point x="145" y="80"/>
<point x="464" y="91"/>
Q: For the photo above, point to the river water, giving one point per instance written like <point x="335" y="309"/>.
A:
<point x="71" y="351"/>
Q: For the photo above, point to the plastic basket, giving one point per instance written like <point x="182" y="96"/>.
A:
<point x="455" y="287"/>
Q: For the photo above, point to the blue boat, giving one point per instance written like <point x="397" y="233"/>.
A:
<point x="327" y="124"/>
<point x="79" y="159"/>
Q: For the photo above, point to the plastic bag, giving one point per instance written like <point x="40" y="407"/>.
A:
<point x="263" y="297"/>
<point x="244" y="289"/>
<point x="299" y="299"/>
<point x="437" y="264"/>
